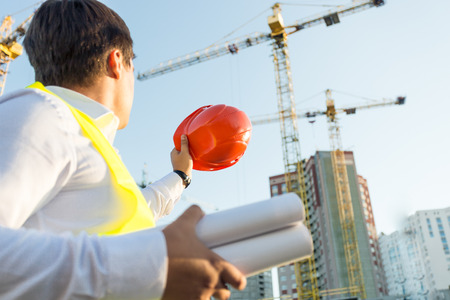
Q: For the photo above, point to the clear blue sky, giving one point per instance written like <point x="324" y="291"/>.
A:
<point x="399" y="49"/>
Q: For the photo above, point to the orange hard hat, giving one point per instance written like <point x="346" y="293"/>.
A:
<point x="218" y="136"/>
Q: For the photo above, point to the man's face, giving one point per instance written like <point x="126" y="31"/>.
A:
<point x="126" y="95"/>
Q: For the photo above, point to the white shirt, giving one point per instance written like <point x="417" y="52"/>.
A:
<point x="43" y="266"/>
<point x="53" y="179"/>
<point x="51" y="176"/>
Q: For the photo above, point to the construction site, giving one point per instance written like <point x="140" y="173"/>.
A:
<point x="328" y="86"/>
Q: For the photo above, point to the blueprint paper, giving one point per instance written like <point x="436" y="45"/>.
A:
<point x="250" y="220"/>
<point x="254" y="255"/>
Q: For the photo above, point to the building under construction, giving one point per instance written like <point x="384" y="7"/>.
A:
<point x="330" y="262"/>
<point x="258" y="287"/>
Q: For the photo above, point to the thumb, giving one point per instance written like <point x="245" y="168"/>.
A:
<point x="191" y="216"/>
<point x="184" y="143"/>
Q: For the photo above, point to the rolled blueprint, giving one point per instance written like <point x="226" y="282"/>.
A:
<point x="254" y="255"/>
<point x="250" y="220"/>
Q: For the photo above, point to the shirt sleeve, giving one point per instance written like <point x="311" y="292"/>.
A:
<point x="38" y="265"/>
<point x="162" y="195"/>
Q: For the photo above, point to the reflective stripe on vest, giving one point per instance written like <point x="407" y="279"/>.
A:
<point x="136" y="214"/>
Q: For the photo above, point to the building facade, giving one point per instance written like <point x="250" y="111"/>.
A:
<point x="374" y="245"/>
<point x="403" y="266"/>
<point x="417" y="257"/>
<point x="330" y="260"/>
<point x="258" y="287"/>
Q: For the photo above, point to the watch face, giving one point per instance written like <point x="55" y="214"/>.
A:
<point x="187" y="181"/>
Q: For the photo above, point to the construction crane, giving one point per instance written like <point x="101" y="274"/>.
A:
<point x="10" y="48"/>
<point x="331" y="110"/>
<point x="305" y="270"/>
<point x="343" y="195"/>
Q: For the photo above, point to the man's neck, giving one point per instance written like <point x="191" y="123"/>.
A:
<point x="99" y="91"/>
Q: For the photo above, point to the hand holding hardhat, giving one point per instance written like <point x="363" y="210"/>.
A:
<point x="218" y="136"/>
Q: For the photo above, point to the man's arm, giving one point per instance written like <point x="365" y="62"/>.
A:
<point x="163" y="194"/>
<point x="38" y="265"/>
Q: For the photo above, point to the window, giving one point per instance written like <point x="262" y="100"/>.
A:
<point x="283" y="188"/>
<point x="274" y="190"/>
<point x="446" y="250"/>
<point x="293" y="276"/>
<point x="430" y="229"/>
<point x="392" y="255"/>
<point x="410" y="251"/>
<point x="283" y="278"/>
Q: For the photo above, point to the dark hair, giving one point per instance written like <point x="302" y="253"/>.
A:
<point x="68" y="41"/>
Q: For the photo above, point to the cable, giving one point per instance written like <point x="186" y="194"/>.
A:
<point x="309" y="98"/>
<point x="348" y="94"/>
<point x="246" y="23"/>
<point x="24" y="9"/>
<point x="307" y="4"/>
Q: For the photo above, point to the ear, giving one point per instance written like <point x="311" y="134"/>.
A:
<point x="115" y="64"/>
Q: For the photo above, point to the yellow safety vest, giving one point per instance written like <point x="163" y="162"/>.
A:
<point x="136" y="214"/>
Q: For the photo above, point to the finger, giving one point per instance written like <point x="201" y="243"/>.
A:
<point x="184" y="143"/>
<point x="233" y="276"/>
<point x="192" y="215"/>
<point x="222" y="294"/>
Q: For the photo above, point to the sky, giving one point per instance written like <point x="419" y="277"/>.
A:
<point x="399" y="49"/>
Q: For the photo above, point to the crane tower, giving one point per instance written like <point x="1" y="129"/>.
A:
<point x="293" y="168"/>
<point x="10" y="48"/>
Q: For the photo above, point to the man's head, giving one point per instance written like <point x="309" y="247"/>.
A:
<point x="69" y="42"/>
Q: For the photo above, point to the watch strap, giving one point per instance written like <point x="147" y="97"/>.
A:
<point x="186" y="179"/>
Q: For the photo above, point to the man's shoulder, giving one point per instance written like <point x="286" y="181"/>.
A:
<point x="29" y="99"/>
<point x="31" y="95"/>
<point x="36" y="106"/>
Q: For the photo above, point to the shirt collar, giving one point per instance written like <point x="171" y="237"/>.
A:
<point x="102" y="116"/>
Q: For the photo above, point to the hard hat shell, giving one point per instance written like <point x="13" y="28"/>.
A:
<point x="218" y="136"/>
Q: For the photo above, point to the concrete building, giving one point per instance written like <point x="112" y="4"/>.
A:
<point x="326" y="230"/>
<point x="417" y="258"/>
<point x="287" y="281"/>
<point x="258" y="287"/>
<point x="403" y="265"/>
<point x="379" y="273"/>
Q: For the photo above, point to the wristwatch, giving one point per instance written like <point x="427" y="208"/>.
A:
<point x="186" y="179"/>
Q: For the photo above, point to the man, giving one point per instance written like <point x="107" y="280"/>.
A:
<point x="58" y="170"/>
<point x="82" y="53"/>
